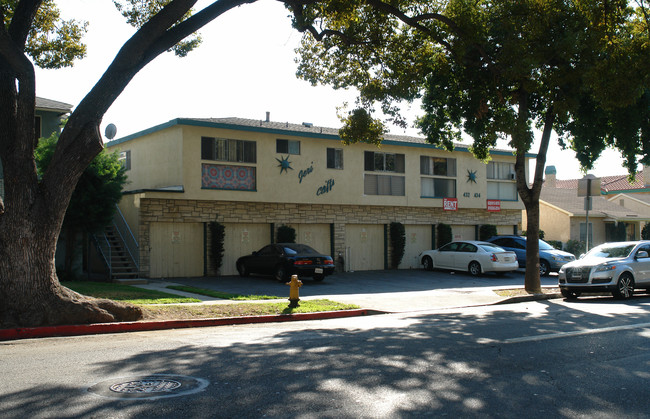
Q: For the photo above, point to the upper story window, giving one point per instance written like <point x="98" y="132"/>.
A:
<point x="383" y="162"/>
<point x="222" y="149"/>
<point x="287" y="146"/>
<point x="438" y="180"/>
<point x="501" y="181"/>
<point x="125" y="159"/>
<point x="335" y="158"/>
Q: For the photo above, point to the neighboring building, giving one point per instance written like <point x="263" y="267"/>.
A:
<point x="256" y="175"/>
<point x="563" y="215"/>
<point x="49" y="114"/>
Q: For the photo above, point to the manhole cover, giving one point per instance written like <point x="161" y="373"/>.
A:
<point x="152" y="386"/>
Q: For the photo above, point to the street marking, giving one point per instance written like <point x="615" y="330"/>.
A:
<point x="488" y="341"/>
<point x="576" y="333"/>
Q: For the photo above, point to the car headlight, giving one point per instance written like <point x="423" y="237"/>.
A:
<point x="604" y="268"/>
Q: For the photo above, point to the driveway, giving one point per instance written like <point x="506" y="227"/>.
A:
<point x="389" y="290"/>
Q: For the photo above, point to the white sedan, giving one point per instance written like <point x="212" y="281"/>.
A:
<point x="476" y="257"/>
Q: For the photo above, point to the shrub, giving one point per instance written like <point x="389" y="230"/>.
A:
<point x="576" y="247"/>
<point x="541" y="234"/>
<point x="286" y="234"/>
<point x="444" y="234"/>
<point x="217" y="233"/>
<point x="486" y="231"/>
<point x="645" y="232"/>
<point x="555" y="243"/>
<point x="398" y="243"/>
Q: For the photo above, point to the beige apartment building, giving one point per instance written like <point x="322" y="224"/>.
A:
<point x="256" y="175"/>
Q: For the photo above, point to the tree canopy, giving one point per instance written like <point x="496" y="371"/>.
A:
<point x="491" y="70"/>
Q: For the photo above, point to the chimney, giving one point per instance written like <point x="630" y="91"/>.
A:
<point x="550" y="173"/>
<point x="268" y="116"/>
<point x="646" y="175"/>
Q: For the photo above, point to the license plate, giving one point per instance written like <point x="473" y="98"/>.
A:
<point x="576" y="274"/>
<point x="318" y="270"/>
<point x="508" y="259"/>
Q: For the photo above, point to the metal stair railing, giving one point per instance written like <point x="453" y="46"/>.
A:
<point x="127" y="237"/>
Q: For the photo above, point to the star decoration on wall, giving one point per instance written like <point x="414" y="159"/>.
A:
<point x="471" y="176"/>
<point x="285" y="164"/>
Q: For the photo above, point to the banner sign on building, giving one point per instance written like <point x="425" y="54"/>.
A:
<point x="450" y="204"/>
<point x="494" y="205"/>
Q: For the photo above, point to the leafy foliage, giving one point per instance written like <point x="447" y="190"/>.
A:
<point x="52" y="42"/>
<point x="98" y="191"/>
<point x="443" y="232"/>
<point x="645" y="232"/>
<point x="576" y="247"/>
<point x="286" y="234"/>
<point x="398" y="243"/>
<point x="486" y="231"/>
<point x="217" y="236"/>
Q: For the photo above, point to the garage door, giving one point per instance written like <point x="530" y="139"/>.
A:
<point x="240" y="240"/>
<point x="176" y="250"/>
<point x="364" y="247"/>
<point x="460" y="232"/>
<point x="505" y="230"/>
<point x="315" y="235"/>
<point x="418" y="239"/>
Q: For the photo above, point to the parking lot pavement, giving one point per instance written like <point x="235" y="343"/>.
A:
<point x="389" y="290"/>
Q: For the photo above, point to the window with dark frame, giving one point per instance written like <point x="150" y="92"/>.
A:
<point x="440" y="177"/>
<point x="287" y="146"/>
<point x="335" y="158"/>
<point x="383" y="162"/>
<point x="222" y="149"/>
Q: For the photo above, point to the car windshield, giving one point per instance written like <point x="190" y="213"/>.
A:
<point x="545" y="246"/>
<point x="610" y="251"/>
<point x="298" y="248"/>
<point x="488" y="247"/>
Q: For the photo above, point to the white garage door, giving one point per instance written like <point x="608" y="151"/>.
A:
<point x="418" y="239"/>
<point x="314" y="235"/>
<point x="364" y="247"/>
<point x="176" y="250"/>
<point x="240" y="240"/>
<point x="505" y="230"/>
<point x="460" y="232"/>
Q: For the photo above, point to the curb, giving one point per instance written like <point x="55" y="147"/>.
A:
<point x="526" y="298"/>
<point x="102" y="328"/>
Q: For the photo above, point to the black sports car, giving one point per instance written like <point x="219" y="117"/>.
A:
<point x="285" y="259"/>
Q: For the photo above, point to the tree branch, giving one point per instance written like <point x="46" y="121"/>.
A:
<point x="21" y="22"/>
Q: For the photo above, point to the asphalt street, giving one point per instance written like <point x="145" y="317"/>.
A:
<point x="538" y="359"/>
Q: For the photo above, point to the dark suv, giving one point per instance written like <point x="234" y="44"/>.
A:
<point x="550" y="259"/>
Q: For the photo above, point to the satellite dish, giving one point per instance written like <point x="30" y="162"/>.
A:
<point x="110" y="131"/>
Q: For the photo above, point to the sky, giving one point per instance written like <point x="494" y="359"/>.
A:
<point x="244" y="68"/>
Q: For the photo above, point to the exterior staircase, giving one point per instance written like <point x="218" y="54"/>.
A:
<point x="123" y="267"/>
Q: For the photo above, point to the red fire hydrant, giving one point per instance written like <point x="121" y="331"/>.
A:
<point x="294" y="285"/>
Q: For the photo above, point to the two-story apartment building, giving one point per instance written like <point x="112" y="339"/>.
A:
<point x="256" y="175"/>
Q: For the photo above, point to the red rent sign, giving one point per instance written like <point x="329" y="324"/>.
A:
<point x="450" y="204"/>
<point x="493" y="205"/>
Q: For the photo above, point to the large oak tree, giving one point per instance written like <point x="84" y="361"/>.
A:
<point x="491" y="69"/>
<point x="33" y="208"/>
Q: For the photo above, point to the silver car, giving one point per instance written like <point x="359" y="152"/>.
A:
<point x="618" y="268"/>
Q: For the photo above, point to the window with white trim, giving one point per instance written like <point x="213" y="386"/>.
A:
<point x="501" y="182"/>
<point x="125" y="159"/>
<point x="439" y="177"/>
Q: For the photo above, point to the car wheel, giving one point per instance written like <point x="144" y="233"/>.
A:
<point x="241" y="268"/>
<point x="474" y="268"/>
<point x="570" y="295"/>
<point x="427" y="263"/>
<point x="544" y="268"/>
<point x="319" y="277"/>
<point x="280" y="273"/>
<point x="624" y="287"/>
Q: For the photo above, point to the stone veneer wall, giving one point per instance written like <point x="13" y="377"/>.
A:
<point x="176" y="210"/>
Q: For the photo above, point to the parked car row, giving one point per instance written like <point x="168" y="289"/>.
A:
<point x="550" y="258"/>
<point x="281" y="260"/>
<point x="476" y="257"/>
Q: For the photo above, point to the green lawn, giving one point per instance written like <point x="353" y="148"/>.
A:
<point x="223" y="295"/>
<point x="126" y="293"/>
